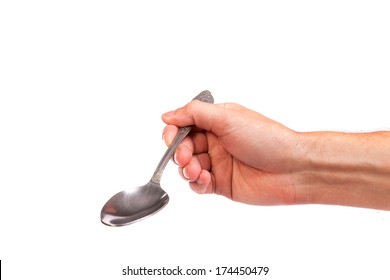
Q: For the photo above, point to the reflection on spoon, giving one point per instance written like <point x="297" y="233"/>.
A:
<point x="137" y="203"/>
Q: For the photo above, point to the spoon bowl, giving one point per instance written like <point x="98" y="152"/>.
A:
<point x="135" y="204"/>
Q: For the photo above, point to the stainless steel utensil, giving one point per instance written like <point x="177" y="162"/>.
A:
<point x="137" y="203"/>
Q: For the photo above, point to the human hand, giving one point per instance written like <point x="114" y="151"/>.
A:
<point x="235" y="152"/>
<point x="239" y="153"/>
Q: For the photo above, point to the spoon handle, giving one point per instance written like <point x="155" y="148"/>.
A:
<point x="204" y="96"/>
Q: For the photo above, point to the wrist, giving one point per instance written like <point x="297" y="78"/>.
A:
<point x="344" y="169"/>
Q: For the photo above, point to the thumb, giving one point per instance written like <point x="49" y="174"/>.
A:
<point x="198" y="113"/>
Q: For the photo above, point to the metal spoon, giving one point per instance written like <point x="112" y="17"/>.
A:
<point x="135" y="204"/>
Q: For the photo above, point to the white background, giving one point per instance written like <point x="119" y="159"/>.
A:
<point x="83" y="85"/>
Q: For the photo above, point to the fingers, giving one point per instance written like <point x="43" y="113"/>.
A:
<point x="169" y="133"/>
<point x="192" y="159"/>
<point x="192" y="154"/>
<point x="192" y="170"/>
<point x="195" y="143"/>
<point x="203" y="184"/>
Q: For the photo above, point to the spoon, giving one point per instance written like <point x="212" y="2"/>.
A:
<point x="137" y="203"/>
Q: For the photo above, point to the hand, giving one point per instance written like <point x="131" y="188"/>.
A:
<point x="249" y="158"/>
<point x="235" y="152"/>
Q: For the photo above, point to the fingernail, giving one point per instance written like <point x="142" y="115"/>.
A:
<point x="185" y="173"/>
<point x="175" y="158"/>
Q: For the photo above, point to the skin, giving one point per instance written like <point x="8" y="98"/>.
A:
<point x="249" y="158"/>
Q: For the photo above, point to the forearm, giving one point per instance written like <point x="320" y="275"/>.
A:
<point x="345" y="169"/>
